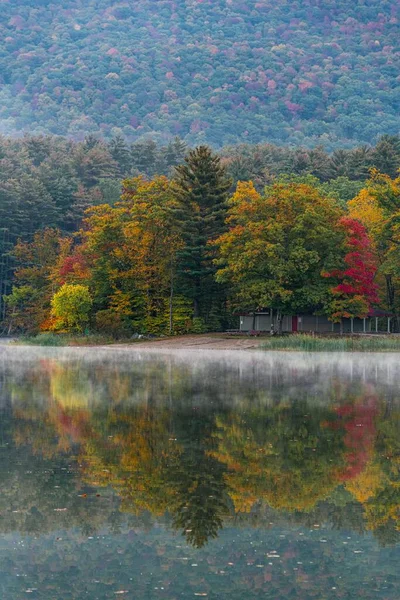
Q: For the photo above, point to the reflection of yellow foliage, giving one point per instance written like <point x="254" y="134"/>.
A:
<point x="366" y="484"/>
<point x="261" y="472"/>
<point x="272" y="454"/>
<point x="243" y="500"/>
<point x="380" y="515"/>
<point x="131" y="461"/>
<point x="69" y="390"/>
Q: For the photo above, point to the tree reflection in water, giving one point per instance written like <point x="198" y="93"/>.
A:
<point x="169" y="442"/>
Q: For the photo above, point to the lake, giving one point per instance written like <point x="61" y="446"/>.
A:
<point x="225" y="475"/>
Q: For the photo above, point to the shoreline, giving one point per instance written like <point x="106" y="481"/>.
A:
<point x="224" y="342"/>
<point x="210" y="341"/>
<point x="198" y="342"/>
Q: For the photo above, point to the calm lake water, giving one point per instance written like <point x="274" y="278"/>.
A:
<point x="142" y="475"/>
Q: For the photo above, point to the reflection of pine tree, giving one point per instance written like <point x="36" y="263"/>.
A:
<point x="198" y="483"/>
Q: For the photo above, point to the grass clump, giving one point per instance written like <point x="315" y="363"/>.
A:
<point x="42" y="339"/>
<point x="311" y="343"/>
<point x="60" y="339"/>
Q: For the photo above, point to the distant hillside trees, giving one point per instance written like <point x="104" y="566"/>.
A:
<point x="296" y="73"/>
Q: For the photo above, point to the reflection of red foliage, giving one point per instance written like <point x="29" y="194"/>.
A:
<point x="360" y="435"/>
<point x="74" y="427"/>
<point x="68" y="426"/>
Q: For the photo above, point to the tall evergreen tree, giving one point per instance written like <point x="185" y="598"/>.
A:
<point x="360" y="162"/>
<point x="175" y="152"/>
<point x="201" y="187"/>
<point x="120" y="152"/>
<point x="386" y="155"/>
<point x="145" y="157"/>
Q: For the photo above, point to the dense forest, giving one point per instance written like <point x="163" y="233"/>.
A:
<point x="302" y="72"/>
<point x="139" y="238"/>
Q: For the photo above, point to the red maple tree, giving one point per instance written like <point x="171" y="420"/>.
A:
<point x="356" y="291"/>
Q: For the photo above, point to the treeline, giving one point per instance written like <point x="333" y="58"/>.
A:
<point x="192" y="240"/>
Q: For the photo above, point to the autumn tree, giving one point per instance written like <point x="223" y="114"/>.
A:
<point x="377" y="206"/>
<point x="131" y="255"/>
<point x="71" y="305"/>
<point x="277" y="246"/>
<point x="36" y="262"/>
<point x="152" y="243"/>
<point x="356" y="291"/>
<point x="200" y="187"/>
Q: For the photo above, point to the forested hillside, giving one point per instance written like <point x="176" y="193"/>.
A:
<point x="303" y="72"/>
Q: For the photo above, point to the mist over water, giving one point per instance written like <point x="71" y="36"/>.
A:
<point x="180" y="473"/>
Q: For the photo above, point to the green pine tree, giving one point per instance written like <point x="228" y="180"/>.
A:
<point x="175" y="152"/>
<point x="386" y="155"/>
<point x="145" y="158"/>
<point x="120" y="152"/>
<point x="201" y="187"/>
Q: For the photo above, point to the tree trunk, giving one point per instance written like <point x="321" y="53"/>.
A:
<point x="10" y="325"/>
<point x="390" y="295"/>
<point x="196" y="308"/>
<point x="254" y="321"/>
<point x="279" y="319"/>
<point x="171" y="301"/>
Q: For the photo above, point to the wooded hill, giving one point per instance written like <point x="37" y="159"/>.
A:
<point x="300" y="72"/>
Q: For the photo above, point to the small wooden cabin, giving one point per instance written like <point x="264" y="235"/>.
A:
<point x="266" y="321"/>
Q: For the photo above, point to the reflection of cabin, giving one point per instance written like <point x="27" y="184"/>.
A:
<point x="266" y="321"/>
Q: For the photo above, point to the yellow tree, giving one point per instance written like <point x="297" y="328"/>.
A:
<point x="71" y="306"/>
<point x="152" y="243"/>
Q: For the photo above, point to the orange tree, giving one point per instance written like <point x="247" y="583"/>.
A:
<point x="129" y="256"/>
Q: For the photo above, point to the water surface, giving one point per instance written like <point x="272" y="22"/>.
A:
<point x="144" y="475"/>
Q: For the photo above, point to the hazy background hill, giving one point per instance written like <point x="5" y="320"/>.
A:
<point x="302" y="72"/>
